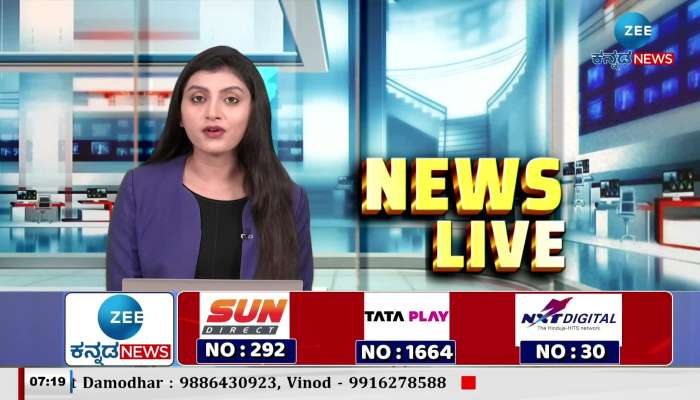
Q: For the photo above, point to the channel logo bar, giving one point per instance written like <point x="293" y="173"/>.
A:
<point x="323" y="328"/>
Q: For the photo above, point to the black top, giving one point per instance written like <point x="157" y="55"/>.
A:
<point x="220" y="246"/>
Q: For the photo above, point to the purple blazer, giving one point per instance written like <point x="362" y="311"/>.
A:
<point x="156" y="229"/>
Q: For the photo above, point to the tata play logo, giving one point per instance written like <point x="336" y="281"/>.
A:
<point x="633" y="31"/>
<point x="127" y="331"/>
<point x="553" y="313"/>
<point x="410" y="316"/>
<point x="245" y="316"/>
<point x="395" y="316"/>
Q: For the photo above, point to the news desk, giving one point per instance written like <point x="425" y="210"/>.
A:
<point x="678" y="222"/>
<point x="31" y="212"/>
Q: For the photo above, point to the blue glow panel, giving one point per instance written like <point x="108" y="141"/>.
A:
<point x="9" y="153"/>
<point x="623" y="69"/>
<point x="595" y="109"/>
<point x="654" y="33"/>
<point x="694" y="45"/>
<point x="269" y="75"/>
<point x="99" y="148"/>
<point x="624" y="97"/>
<point x="596" y="76"/>
<point x="675" y="50"/>
<point x="651" y="94"/>
<point x="669" y="24"/>
<point x="650" y="69"/>
<point x="669" y="88"/>
<point x="694" y="79"/>
<point x="694" y="10"/>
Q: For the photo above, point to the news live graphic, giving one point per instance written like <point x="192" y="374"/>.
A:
<point x="291" y="198"/>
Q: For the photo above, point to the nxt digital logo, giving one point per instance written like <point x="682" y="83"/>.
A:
<point x="552" y="314"/>
<point x="568" y="316"/>
<point x="254" y="316"/>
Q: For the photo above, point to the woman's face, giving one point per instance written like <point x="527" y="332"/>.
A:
<point x="215" y="110"/>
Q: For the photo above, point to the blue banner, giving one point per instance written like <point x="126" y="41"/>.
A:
<point x="246" y="351"/>
<point x="569" y="352"/>
<point x="405" y="352"/>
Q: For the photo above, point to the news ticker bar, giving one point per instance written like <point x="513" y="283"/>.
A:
<point x="349" y="328"/>
<point x="348" y="382"/>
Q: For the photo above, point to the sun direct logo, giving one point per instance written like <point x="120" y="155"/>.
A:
<point x="257" y="316"/>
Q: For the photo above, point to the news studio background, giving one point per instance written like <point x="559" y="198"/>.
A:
<point x="610" y="88"/>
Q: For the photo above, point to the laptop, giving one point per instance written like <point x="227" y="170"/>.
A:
<point x="211" y="285"/>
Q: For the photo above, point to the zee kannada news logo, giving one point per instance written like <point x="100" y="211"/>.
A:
<point x="632" y="31"/>
<point x="552" y="314"/>
<point x="121" y="317"/>
<point x="262" y="317"/>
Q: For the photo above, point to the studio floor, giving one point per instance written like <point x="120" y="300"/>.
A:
<point x="592" y="264"/>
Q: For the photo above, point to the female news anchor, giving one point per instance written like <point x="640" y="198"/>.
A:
<point x="213" y="201"/>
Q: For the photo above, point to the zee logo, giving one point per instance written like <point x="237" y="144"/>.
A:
<point x="633" y="30"/>
<point x="638" y="30"/>
<point x="120" y="317"/>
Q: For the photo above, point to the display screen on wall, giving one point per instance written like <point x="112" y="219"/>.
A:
<point x="111" y="150"/>
<point x="26" y="195"/>
<point x="678" y="182"/>
<point x="568" y="169"/>
<point x="582" y="167"/>
<point x="97" y="193"/>
<point x="613" y="96"/>
<point x="610" y="189"/>
<point x="9" y="150"/>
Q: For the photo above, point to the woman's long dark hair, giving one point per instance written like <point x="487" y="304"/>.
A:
<point x="268" y="185"/>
